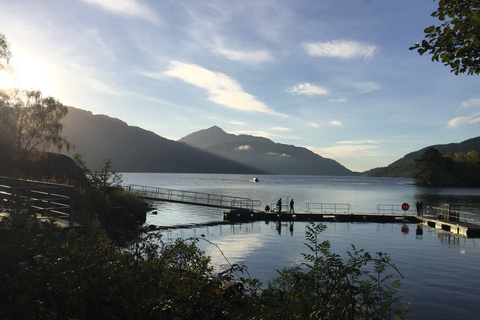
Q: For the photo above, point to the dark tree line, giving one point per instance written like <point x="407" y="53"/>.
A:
<point x="461" y="169"/>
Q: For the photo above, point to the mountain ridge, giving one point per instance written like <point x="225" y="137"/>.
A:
<point x="263" y="154"/>
<point x="405" y="166"/>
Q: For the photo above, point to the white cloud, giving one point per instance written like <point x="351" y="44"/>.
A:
<point x="221" y="89"/>
<point x="308" y="89"/>
<point x="244" y="147"/>
<point x="253" y="57"/>
<point x="313" y="125"/>
<point x="364" y="87"/>
<point x="339" y="100"/>
<point x="471" y="103"/>
<point x="347" y="149"/>
<point x="129" y="8"/>
<point x="276" y="154"/>
<point x="280" y="129"/>
<point x="336" y="123"/>
<point x="252" y="133"/>
<point x="340" y="49"/>
<point x="474" y="118"/>
<point x="238" y="123"/>
<point x="358" y="142"/>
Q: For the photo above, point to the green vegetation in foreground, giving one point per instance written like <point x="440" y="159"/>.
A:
<point x="48" y="273"/>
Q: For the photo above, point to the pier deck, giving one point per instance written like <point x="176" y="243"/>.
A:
<point x="250" y="215"/>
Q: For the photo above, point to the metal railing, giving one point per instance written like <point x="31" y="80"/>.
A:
<point x="48" y="199"/>
<point x="451" y="212"/>
<point x="392" y="209"/>
<point x="329" y="207"/>
<point x="193" y="197"/>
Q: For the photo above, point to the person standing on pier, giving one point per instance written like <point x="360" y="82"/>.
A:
<point x="279" y="205"/>
<point x="291" y="206"/>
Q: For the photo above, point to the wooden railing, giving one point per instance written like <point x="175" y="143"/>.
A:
<point x="48" y="199"/>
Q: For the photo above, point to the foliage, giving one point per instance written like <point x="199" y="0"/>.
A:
<point x="105" y="178"/>
<point x="454" y="169"/>
<point x="456" y="41"/>
<point x="331" y="288"/>
<point x="32" y="123"/>
<point x="5" y="53"/>
<point x="49" y="273"/>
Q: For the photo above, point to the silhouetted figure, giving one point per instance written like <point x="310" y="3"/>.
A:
<point x="267" y="208"/>
<point x="279" y="205"/>
<point x="419" y="206"/>
<point x="291" y="206"/>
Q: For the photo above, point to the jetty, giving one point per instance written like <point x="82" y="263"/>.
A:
<point x="446" y="218"/>
<point x="250" y="215"/>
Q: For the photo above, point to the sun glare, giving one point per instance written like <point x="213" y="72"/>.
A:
<point x="31" y="73"/>
<point x="7" y="80"/>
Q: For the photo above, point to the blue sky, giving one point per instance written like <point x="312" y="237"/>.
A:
<point x="334" y="76"/>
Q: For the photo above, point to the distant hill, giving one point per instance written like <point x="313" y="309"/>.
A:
<point x="132" y="149"/>
<point x="405" y="167"/>
<point x="263" y="154"/>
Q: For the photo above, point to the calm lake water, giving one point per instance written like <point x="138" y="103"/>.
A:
<point x="441" y="272"/>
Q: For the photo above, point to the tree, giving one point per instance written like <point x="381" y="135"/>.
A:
<point x="31" y="123"/>
<point x="456" y="41"/>
<point x="433" y="170"/>
<point x="5" y="53"/>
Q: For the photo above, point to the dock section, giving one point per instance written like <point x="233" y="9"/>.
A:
<point x="251" y="215"/>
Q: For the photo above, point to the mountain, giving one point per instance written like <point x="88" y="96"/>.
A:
<point x="405" y="167"/>
<point x="263" y="154"/>
<point x="132" y="149"/>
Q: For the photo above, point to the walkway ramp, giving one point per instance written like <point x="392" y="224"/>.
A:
<point x="193" y="197"/>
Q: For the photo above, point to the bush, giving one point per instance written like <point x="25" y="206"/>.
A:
<point x="52" y="273"/>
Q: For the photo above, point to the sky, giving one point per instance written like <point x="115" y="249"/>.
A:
<point x="333" y="76"/>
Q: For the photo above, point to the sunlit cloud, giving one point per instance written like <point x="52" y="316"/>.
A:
<point x="474" y="118"/>
<point x="280" y="129"/>
<point x="238" y="123"/>
<point x="358" y="142"/>
<point x="347" y="149"/>
<point x="221" y="89"/>
<point x="252" y="133"/>
<point x="308" y="89"/>
<point x="244" y="147"/>
<point x="89" y="76"/>
<point x="364" y="87"/>
<point x="253" y="57"/>
<point x="342" y="49"/>
<point x="315" y="125"/>
<point x="471" y="103"/>
<point x="127" y="8"/>
<point x="336" y="123"/>
<point x="280" y="155"/>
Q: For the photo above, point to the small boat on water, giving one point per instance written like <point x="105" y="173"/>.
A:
<point x="255" y="179"/>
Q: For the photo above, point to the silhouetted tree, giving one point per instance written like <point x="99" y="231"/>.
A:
<point x="31" y="123"/>
<point x="433" y="169"/>
<point x="456" y="41"/>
